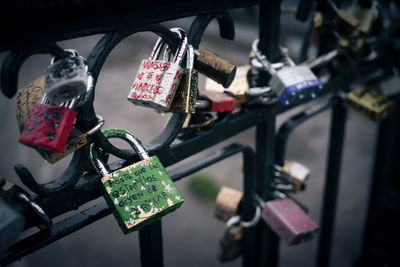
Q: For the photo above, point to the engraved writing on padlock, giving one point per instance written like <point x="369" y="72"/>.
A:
<point x="66" y="78"/>
<point x="156" y="81"/>
<point x="227" y="203"/>
<point x="140" y="193"/>
<point x="369" y="103"/>
<point x="26" y="98"/>
<point x="48" y="127"/>
<point x="288" y="221"/>
<point x="239" y="86"/>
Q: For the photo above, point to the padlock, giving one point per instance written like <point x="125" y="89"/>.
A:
<point x="67" y="78"/>
<point x="32" y="94"/>
<point x="15" y="195"/>
<point x="197" y="121"/>
<point x="295" y="173"/>
<point x="288" y="221"/>
<point x="12" y="223"/>
<point x="238" y="88"/>
<point x="75" y="141"/>
<point x="185" y="97"/>
<point x="365" y="17"/>
<point x="292" y="84"/>
<point x="8" y="191"/>
<point x="215" y="101"/>
<point x="215" y="67"/>
<point x="227" y="203"/>
<point x="48" y="127"/>
<point x="230" y="245"/>
<point x="369" y="103"/>
<point x="26" y="97"/>
<point x="140" y="193"/>
<point x="156" y="81"/>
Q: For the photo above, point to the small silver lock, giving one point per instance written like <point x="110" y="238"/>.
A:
<point x="292" y="84"/>
<point x="67" y="78"/>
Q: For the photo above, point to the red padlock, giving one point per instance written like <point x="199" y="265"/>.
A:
<point x="48" y="127"/>
<point x="288" y="221"/>
<point x="215" y="101"/>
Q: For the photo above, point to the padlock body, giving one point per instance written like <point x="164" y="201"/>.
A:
<point x="75" y="141"/>
<point x="219" y="102"/>
<point x="155" y="84"/>
<point x="48" y="127"/>
<point x="140" y="194"/>
<point x="227" y="203"/>
<point x="186" y="94"/>
<point x="296" y="173"/>
<point x="66" y="79"/>
<point x="239" y="86"/>
<point x="25" y="99"/>
<point x="369" y="103"/>
<point x="294" y="85"/>
<point x="289" y="221"/>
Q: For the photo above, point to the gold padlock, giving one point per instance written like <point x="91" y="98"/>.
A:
<point x="370" y="103"/>
<point x="296" y="173"/>
<point x="365" y="17"/>
<point x="227" y="203"/>
<point x="239" y="87"/>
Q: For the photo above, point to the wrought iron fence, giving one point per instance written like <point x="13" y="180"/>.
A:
<point x="76" y="187"/>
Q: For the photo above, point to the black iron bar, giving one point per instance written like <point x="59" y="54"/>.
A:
<point x="289" y="125"/>
<point x="327" y="223"/>
<point x="151" y="245"/>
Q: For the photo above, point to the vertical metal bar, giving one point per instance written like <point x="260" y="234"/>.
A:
<point x="386" y="161"/>
<point x="151" y="245"/>
<point x="267" y="242"/>
<point x="249" y="258"/>
<point x="337" y="132"/>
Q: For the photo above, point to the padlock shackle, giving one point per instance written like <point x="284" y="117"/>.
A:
<point x="262" y="58"/>
<point x="135" y="143"/>
<point x="129" y="138"/>
<point x="190" y="53"/>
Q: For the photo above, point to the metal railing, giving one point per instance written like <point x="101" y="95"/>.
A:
<point x="76" y="187"/>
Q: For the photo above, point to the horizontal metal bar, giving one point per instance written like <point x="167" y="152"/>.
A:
<point x="97" y="16"/>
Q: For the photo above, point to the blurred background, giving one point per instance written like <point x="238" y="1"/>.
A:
<point x="191" y="234"/>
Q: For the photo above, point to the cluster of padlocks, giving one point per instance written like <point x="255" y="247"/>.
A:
<point x="167" y="81"/>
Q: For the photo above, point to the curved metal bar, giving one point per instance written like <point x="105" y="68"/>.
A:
<point x="65" y="182"/>
<point x="199" y="25"/>
<point x="294" y="121"/>
<point x="95" y="62"/>
<point x="14" y="60"/>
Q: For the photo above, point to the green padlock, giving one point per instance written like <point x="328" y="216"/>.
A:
<point x="140" y="193"/>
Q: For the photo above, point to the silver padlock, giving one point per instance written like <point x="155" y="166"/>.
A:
<point x="67" y="78"/>
<point x="292" y="84"/>
<point x="156" y="80"/>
